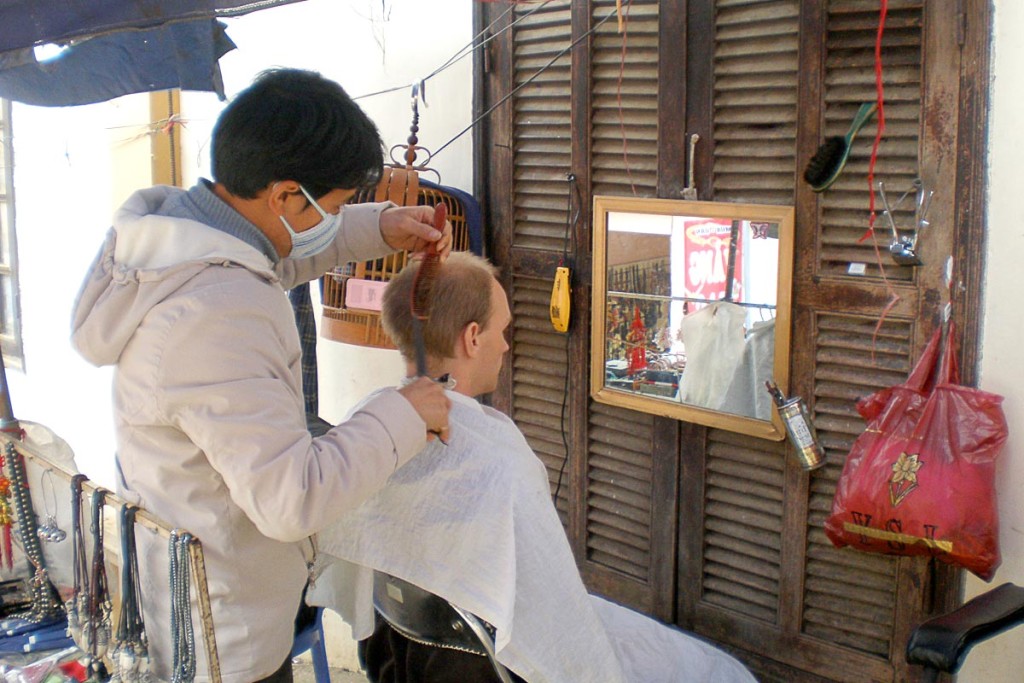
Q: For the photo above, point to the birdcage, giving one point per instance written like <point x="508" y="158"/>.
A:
<point x="352" y="293"/>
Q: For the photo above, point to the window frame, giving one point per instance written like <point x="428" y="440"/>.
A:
<point x="10" y="326"/>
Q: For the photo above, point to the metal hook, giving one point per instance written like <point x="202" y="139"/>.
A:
<point x="690" y="191"/>
<point x="901" y="248"/>
<point x="888" y="210"/>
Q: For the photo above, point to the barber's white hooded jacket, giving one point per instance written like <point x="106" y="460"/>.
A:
<point x="211" y="433"/>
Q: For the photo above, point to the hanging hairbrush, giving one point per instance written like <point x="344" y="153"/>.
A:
<point x="422" y="291"/>
<point x="828" y="162"/>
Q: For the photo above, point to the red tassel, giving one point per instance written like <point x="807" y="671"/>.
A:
<point x="6" y="550"/>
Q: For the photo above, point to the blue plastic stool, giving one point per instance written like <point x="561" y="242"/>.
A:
<point x="311" y="639"/>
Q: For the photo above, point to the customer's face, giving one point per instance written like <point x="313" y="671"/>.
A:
<point x="492" y="340"/>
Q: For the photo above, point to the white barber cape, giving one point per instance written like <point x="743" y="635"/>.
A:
<point x="473" y="522"/>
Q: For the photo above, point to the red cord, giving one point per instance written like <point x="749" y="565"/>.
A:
<point x="894" y="297"/>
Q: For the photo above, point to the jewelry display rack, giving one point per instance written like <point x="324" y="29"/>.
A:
<point x="145" y="519"/>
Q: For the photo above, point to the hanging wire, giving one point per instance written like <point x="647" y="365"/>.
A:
<point x="529" y="80"/>
<point x="571" y="221"/>
<point x="465" y="50"/>
<point x="894" y="296"/>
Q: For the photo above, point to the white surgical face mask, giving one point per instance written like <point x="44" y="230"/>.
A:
<point x="311" y="242"/>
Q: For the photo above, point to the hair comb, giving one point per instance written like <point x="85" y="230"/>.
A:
<point x="422" y="290"/>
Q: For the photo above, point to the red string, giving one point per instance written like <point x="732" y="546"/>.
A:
<point x="880" y="90"/>
<point x="894" y="297"/>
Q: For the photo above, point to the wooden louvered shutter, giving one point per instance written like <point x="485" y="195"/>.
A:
<point x="627" y="510"/>
<point x="755" y="68"/>
<point x="739" y="564"/>
<point x="855" y="354"/>
<point x="541" y="156"/>
<point x="768" y="581"/>
<point x="720" y="531"/>
<point x="868" y="317"/>
<point x="616" y="498"/>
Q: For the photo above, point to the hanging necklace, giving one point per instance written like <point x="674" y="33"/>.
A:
<point x="50" y="532"/>
<point x="97" y="630"/>
<point x="131" y="656"/>
<point x="77" y="605"/>
<point x="45" y="607"/>
<point x="184" y="661"/>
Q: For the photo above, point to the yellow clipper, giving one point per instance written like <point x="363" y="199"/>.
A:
<point x="560" y="300"/>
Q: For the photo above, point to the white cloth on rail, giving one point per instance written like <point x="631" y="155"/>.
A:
<point x="714" y="341"/>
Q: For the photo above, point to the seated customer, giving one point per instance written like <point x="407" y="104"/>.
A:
<point x="473" y="522"/>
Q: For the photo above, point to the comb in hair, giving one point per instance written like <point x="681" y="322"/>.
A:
<point x="422" y="289"/>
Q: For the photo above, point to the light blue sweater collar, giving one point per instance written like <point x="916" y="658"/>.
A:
<point x="200" y="204"/>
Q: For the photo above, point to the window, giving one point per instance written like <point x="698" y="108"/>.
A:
<point x="10" y="314"/>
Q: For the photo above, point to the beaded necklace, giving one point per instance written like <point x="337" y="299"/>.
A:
<point x="184" y="662"/>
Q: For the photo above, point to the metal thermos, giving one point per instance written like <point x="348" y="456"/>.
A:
<point x="799" y="427"/>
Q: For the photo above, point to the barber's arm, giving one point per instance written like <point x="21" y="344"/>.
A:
<point x="233" y="394"/>
<point x="369" y="231"/>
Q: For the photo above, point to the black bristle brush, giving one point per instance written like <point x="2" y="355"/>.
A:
<point x="828" y="162"/>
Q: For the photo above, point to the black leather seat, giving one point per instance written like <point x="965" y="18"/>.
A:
<point x="425" y="618"/>
<point x="941" y="643"/>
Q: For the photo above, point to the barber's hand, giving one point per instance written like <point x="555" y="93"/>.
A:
<point x="411" y="228"/>
<point x="429" y="400"/>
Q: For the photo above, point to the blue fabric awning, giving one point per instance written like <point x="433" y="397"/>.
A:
<point x="114" y="47"/>
<point x="180" y="55"/>
<point x="27" y="23"/>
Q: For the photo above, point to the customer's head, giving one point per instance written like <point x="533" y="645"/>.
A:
<point x="468" y="316"/>
<point x="296" y="125"/>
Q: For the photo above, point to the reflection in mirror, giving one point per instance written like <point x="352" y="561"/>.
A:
<point x="693" y="301"/>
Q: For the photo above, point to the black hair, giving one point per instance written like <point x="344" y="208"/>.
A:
<point x="292" y="124"/>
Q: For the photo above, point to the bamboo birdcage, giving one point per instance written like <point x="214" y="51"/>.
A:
<point x="400" y="184"/>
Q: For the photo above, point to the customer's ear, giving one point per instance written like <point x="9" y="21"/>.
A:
<point x="469" y="340"/>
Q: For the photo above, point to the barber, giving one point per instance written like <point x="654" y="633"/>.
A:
<point x="187" y="300"/>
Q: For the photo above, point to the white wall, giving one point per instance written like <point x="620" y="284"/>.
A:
<point x="1002" y="370"/>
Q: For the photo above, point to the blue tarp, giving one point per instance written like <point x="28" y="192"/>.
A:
<point x="180" y="55"/>
<point x="114" y="47"/>
<point x="26" y="23"/>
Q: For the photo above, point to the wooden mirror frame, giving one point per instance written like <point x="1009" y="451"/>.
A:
<point x="784" y="217"/>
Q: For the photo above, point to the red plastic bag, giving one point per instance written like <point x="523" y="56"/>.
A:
<point x="920" y="480"/>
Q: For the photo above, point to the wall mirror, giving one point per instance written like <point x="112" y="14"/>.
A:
<point x="692" y="309"/>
